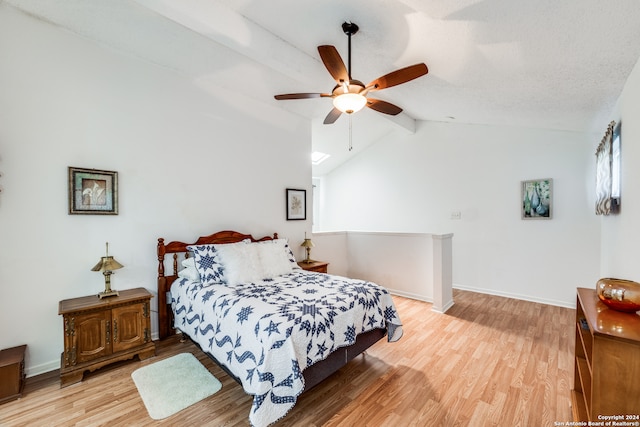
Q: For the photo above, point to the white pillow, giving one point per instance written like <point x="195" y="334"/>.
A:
<point x="241" y="263"/>
<point x="190" y="270"/>
<point x="274" y="258"/>
<point x="189" y="262"/>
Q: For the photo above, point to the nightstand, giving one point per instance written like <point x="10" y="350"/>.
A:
<point x="315" y="266"/>
<point x="11" y="373"/>
<point x="98" y="332"/>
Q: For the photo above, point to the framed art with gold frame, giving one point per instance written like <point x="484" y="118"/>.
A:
<point x="93" y="191"/>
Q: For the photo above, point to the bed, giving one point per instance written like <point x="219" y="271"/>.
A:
<point x="277" y="329"/>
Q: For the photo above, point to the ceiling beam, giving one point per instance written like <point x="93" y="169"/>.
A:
<point x="233" y="30"/>
<point x="402" y="121"/>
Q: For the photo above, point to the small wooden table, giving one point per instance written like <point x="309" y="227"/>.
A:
<point x="98" y="332"/>
<point x="315" y="266"/>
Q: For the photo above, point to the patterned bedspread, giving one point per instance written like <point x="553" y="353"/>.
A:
<point x="268" y="332"/>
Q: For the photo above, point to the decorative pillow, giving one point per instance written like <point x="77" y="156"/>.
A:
<point x="241" y="263"/>
<point x="208" y="263"/>
<point x="274" y="258"/>
<point x="190" y="271"/>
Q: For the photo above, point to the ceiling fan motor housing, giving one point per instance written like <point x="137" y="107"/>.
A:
<point x="355" y="86"/>
<point x="350" y="28"/>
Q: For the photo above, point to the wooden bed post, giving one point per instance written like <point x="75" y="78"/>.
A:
<point x="163" y="311"/>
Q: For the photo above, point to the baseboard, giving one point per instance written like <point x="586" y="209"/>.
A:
<point x="410" y="295"/>
<point x="43" y="368"/>
<point x="446" y="307"/>
<point x="516" y="296"/>
<point x="484" y="291"/>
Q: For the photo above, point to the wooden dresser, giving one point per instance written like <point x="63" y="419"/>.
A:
<point x="315" y="266"/>
<point x="98" y="332"/>
<point x="607" y="361"/>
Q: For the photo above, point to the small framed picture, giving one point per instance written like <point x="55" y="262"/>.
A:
<point x="536" y="201"/>
<point x="93" y="191"/>
<point x="296" y="204"/>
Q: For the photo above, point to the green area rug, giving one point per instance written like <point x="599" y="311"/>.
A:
<point x="172" y="384"/>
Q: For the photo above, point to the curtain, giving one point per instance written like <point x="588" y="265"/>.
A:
<point x="603" y="172"/>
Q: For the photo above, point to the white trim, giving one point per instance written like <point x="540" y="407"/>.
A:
<point x="410" y="295"/>
<point x="444" y="308"/>
<point x="43" y="368"/>
<point x="514" y="296"/>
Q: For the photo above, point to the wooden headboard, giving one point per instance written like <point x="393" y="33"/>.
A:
<point x="165" y="315"/>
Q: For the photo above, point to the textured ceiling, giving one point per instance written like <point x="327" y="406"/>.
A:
<point x="543" y="64"/>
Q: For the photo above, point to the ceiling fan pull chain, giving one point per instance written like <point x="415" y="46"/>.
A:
<point x="350" y="134"/>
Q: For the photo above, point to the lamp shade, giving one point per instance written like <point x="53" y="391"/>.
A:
<point x="107" y="263"/>
<point x="349" y="102"/>
<point x="307" y="243"/>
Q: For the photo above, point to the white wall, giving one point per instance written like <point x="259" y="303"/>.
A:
<point x="188" y="162"/>
<point x="333" y="248"/>
<point x="414" y="183"/>
<point x="414" y="265"/>
<point x="621" y="232"/>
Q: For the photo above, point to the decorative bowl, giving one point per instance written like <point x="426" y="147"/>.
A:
<point x="619" y="294"/>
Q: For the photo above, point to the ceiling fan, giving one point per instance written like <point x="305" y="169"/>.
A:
<point x="349" y="95"/>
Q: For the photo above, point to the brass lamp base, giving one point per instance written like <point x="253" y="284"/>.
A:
<point x="110" y="293"/>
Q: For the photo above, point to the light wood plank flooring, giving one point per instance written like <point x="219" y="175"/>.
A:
<point x="489" y="361"/>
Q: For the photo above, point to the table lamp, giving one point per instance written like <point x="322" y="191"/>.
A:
<point x="106" y="265"/>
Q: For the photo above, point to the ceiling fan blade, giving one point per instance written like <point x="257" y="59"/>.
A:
<point x="383" y="106"/>
<point x="400" y="76"/>
<point x="301" y="96"/>
<point x="332" y="116"/>
<point x="334" y="63"/>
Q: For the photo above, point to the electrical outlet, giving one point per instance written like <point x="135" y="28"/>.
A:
<point x="456" y="215"/>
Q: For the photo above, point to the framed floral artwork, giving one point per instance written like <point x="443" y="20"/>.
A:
<point x="536" y="201"/>
<point x="93" y="191"/>
<point x="296" y="204"/>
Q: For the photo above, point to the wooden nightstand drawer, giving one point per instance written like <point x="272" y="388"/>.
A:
<point x="315" y="266"/>
<point x="11" y="373"/>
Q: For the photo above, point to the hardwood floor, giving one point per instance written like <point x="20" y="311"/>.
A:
<point x="489" y="361"/>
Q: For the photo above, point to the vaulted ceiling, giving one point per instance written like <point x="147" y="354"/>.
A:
<point x="543" y="64"/>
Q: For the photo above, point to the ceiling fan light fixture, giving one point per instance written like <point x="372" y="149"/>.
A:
<point x="349" y="103"/>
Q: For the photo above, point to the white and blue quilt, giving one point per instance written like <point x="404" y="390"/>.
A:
<point x="266" y="333"/>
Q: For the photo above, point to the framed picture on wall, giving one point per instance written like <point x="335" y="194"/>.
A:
<point x="296" y="204"/>
<point x="536" y="201"/>
<point x="93" y="191"/>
